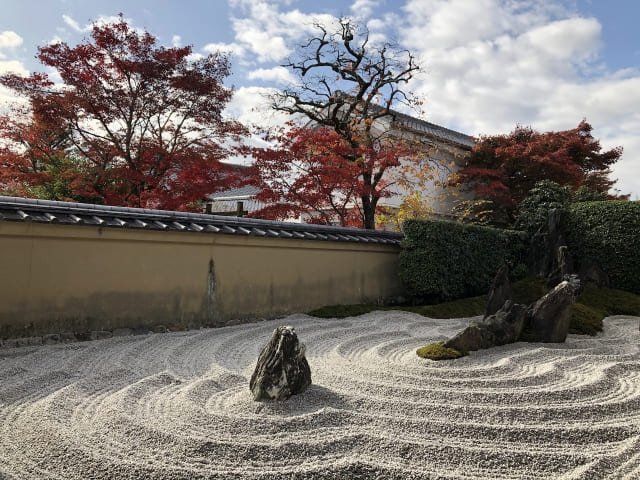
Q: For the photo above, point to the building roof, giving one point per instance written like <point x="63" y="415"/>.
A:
<point x="240" y="193"/>
<point x="17" y="209"/>
<point x="432" y="130"/>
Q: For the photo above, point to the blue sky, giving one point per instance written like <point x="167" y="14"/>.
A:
<point x="487" y="64"/>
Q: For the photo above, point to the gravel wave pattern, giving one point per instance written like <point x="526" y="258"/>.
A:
<point x="178" y="406"/>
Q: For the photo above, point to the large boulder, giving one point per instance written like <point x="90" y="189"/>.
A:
<point x="282" y="369"/>
<point x="500" y="291"/>
<point x="505" y="326"/>
<point x="550" y="316"/>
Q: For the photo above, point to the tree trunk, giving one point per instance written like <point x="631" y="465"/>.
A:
<point x="368" y="213"/>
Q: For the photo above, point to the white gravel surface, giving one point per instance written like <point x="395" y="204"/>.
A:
<point x="178" y="406"/>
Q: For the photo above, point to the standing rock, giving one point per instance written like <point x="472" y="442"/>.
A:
<point x="544" y="245"/>
<point x="564" y="267"/>
<point x="500" y="291"/>
<point x="505" y="326"/>
<point x="551" y="315"/>
<point x="282" y="369"/>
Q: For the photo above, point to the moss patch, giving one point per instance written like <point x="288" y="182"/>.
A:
<point x="585" y="320"/>
<point x="437" y="351"/>
<point x="597" y="303"/>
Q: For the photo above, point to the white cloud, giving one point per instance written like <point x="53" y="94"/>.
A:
<point x="176" y="41"/>
<point x="74" y="25"/>
<point x="566" y="39"/>
<point x="9" y="39"/>
<point x="234" y="49"/>
<point x="364" y="8"/>
<point x="267" y="32"/>
<point x="7" y="96"/>
<point x="280" y="75"/>
<point x="13" y="66"/>
<point x="252" y="106"/>
<point x="102" y="20"/>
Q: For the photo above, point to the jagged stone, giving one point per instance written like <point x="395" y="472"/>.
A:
<point x="500" y="291"/>
<point x="282" y="369"/>
<point x="505" y="326"/>
<point x="563" y="267"/>
<point x="551" y="315"/>
<point x="544" y="245"/>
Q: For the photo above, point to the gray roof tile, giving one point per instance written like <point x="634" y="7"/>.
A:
<point x="16" y="209"/>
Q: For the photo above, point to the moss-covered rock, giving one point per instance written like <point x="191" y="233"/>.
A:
<point x="437" y="351"/>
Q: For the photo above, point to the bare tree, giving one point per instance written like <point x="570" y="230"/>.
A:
<point x="346" y="83"/>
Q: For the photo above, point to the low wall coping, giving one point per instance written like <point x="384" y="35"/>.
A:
<point x="18" y="209"/>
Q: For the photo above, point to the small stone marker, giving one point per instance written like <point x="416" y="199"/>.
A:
<point x="282" y="369"/>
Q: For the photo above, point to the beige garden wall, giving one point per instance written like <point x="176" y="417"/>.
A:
<point x="58" y="278"/>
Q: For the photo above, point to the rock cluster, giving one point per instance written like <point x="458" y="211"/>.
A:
<point x="546" y="320"/>
<point x="282" y="369"/>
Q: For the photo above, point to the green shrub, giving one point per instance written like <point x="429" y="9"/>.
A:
<point x="533" y="211"/>
<point x="437" y="351"/>
<point x="443" y="261"/>
<point x="607" y="233"/>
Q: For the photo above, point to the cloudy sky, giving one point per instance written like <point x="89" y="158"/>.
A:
<point x="487" y="65"/>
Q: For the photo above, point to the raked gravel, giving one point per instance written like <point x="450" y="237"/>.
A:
<point x="178" y="406"/>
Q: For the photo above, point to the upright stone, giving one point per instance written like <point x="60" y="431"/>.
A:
<point x="551" y="315"/>
<point x="564" y="267"/>
<point x="282" y="369"/>
<point x="500" y="291"/>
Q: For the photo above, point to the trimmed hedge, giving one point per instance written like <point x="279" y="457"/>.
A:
<point x="443" y="261"/>
<point x="608" y="234"/>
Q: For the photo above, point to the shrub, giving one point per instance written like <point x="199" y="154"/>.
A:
<point x="606" y="233"/>
<point x="443" y="261"/>
<point x="533" y="211"/>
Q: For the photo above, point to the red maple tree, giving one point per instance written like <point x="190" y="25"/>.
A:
<point x="133" y="124"/>
<point x="311" y="172"/>
<point x="502" y="169"/>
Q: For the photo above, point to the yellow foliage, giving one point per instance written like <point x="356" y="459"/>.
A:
<point x="412" y="207"/>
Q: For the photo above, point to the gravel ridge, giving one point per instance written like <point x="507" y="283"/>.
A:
<point x="178" y="406"/>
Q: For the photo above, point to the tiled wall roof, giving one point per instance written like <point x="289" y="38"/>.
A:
<point x="15" y="209"/>
<point x="433" y="130"/>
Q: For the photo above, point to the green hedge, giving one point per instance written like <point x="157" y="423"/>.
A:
<point x="443" y="261"/>
<point x="607" y="233"/>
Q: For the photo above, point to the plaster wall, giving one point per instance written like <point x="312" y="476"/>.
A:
<point x="58" y="278"/>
